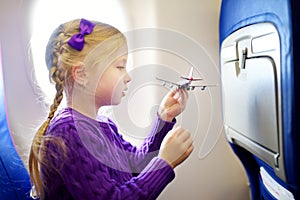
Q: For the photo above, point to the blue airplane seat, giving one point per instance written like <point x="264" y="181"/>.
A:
<point x="260" y="73"/>
<point x="14" y="178"/>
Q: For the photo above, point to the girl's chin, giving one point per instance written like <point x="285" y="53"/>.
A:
<point x="116" y="101"/>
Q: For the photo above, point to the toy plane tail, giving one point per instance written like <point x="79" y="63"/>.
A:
<point x="190" y="77"/>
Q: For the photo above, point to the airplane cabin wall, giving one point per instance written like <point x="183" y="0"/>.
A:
<point x="217" y="173"/>
<point x="212" y="171"/>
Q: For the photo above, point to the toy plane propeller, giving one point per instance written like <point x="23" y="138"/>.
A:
<point x="186" y="83"/>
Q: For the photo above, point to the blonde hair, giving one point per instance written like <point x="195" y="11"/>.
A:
<point x="60" y="58"/>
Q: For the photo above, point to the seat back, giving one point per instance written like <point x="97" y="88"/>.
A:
<point x="259" y="64"/>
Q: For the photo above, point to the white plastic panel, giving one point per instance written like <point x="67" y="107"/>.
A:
<point x="250" y="101"/>
<point x="230" y="53"/>
<point x="264" y="43"/>
<point x="250" y="70"/>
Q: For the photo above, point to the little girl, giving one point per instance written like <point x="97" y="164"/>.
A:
<point x="77" y="154"/>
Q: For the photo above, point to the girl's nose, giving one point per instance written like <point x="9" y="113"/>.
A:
<point x="127" y="78"/>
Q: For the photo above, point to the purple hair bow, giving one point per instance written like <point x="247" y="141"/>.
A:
<point x="77" y="40"/>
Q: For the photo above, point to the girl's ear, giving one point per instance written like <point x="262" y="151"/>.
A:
<point x="79" y="75"/>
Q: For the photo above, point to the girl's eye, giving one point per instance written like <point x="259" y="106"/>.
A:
<point x="120" y="67"/>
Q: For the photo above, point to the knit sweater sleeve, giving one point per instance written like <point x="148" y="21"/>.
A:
<point x="139" y="157"/>
<point x="87" y="173"/>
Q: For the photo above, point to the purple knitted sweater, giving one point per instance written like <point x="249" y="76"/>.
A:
<point x="99" y="164"/>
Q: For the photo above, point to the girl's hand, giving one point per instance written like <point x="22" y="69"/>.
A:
<point x="173" y="104"/>
<point x="176" y="147"/>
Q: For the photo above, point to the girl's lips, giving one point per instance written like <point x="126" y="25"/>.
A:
<point x="124" y="92"/>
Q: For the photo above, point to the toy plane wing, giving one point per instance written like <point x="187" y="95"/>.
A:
<point x="202" y="87"/>
<point x="183" y="85"/>
<point x="168" y="83"/>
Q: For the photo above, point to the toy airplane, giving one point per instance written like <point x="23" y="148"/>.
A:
<point x="186" y="83"/>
